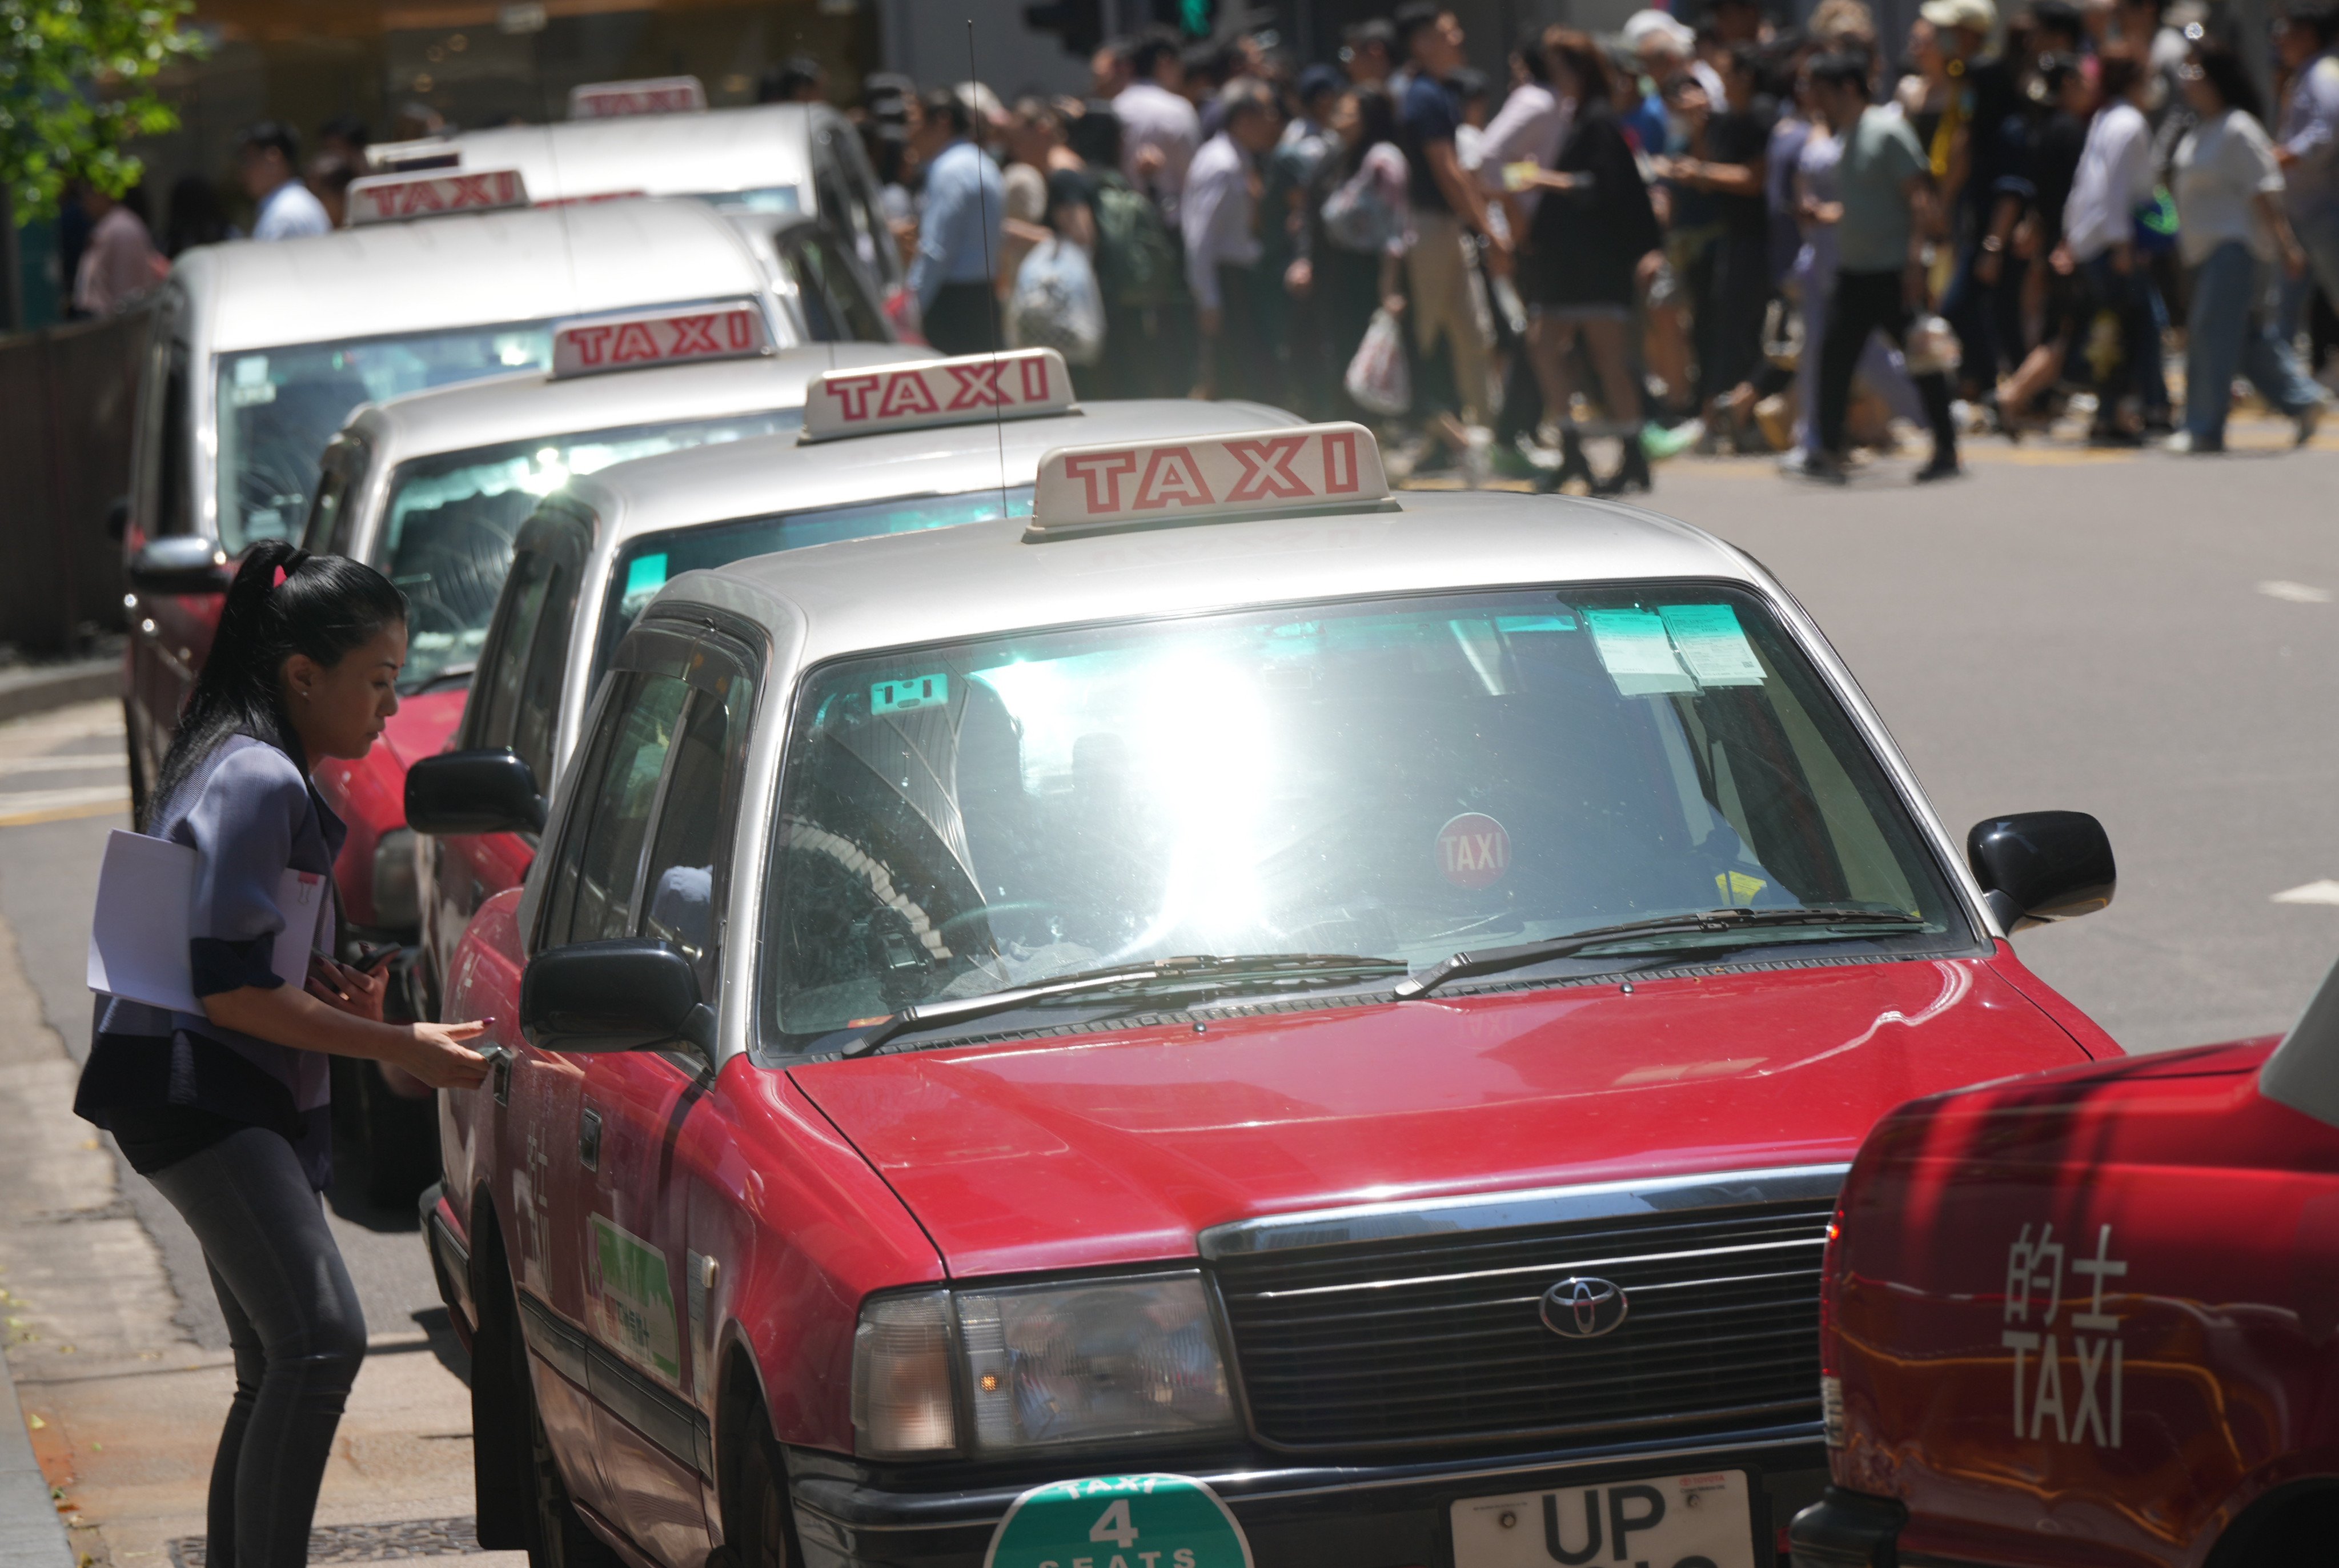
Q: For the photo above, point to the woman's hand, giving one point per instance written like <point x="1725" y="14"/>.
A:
<point x="2294" y="260"/>
<point x="436" y="1054"/>
<point x="358" y="992"/>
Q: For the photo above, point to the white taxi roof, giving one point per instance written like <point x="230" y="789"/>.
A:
<point x="719" y="151"/>
<point x="989" y="578"/>
<point x="534" y="404"/>
<point x="459" y="271"/>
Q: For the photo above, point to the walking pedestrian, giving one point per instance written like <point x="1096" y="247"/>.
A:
<point x="1160" y="131"/>
<point x="1449" y="213"/>
<point x="1526" y="136"/>
<point x="2056" y="149"/>
<point x="1730" y="280"/>
<point x="268" y="163"/>
<point x="960" y="229"/>
<point x="2307" y="148"/>
<point x="119" y="263"/>
<point x="1887" y="207"/>
<point x="1979" y="153"/>
<point x="1354" y="239"/>
<point x="2230" y="230"/>
<point x="224" y="1108"/>
<point x="1591" y="227"/>
<point x="2115" y="178"/>
<point x="1148" y="350"/>
<point x="1220" y="217"/>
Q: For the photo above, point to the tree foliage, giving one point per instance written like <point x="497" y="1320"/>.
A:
<point x="75" y="87"/>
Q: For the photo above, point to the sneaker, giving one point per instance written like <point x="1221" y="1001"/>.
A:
<point x="1661" y="443"/>
<point x="1944" y="466"/>
<point x="2303" y="423"/>
<point x="1508" y="460"/>
<point x="1819" y="466"/>
<point x="2185" y="442"/>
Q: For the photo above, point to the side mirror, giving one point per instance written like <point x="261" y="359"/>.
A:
<point x="2042" y="865"/>
<point x="179" y="564"/>
<point x="621" y="995"/>
<point x="117" y="518"/>
<point x="473" y="791"/>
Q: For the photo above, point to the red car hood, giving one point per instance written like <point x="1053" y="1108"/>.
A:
<point x="1120" y="1146"/>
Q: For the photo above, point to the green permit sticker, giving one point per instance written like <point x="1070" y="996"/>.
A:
<point x="903" y="696"/>
<point x="1637" y="655"/>
<point x="1119" y="1522"/>
<point x="636" y="1300"/>
<point x="646" y="576"/>
<point x="1713" y="644"/>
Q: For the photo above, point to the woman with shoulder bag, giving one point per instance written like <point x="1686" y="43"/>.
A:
<point x="225" y="1111"/>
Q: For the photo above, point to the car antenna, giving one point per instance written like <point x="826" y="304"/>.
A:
<point x="815" y="185"/>
<point x="982" y="199"/>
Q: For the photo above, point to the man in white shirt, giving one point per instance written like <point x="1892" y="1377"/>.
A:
<point x="268" y="163"/>
<point x="1158" y="129"/>
<point x="1222" y="249"/>
<point x="2115" y="178"/>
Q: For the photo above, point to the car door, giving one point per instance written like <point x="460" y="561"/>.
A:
<point x="515" y="702"/>
<point x="631" y="1104"/>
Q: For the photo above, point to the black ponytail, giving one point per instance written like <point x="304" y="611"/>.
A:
<point x="283" y="601"/>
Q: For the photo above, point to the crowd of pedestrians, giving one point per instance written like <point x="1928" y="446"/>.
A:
<point x="1710" y="230"/>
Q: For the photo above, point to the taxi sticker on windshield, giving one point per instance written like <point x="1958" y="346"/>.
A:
<point x="636" y="1300"/>
<point x="1473" y="849"/>
<point x="1635" y="652"/>
<point x="646" y="574"/>
<point x="1713" y="646"/>
<point x="902" y="697"/>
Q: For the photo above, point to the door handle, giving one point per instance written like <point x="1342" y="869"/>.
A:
<point x="589" y="1139"/>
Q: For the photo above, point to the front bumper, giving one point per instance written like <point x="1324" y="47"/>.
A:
<point x="1351" y="1516"/>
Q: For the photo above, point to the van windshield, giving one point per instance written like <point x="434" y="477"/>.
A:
<point x="445" y="534"/>
<point x="1397" y="780"/>
<point x="279" y="408"/>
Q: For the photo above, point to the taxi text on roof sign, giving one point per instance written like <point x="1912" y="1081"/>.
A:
<point x="733" y="330"/>
<point x="385" y="198"/>
<point x="651" y="95"/>
<point x="1304" y="467"/>
<point x="974" y="389"/>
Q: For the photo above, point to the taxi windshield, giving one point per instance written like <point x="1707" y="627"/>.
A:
<point x="646" y="563"/>
<point x="279" y="408"/>
<point x="447" y="532"/>
<point x="1393" y="780"/>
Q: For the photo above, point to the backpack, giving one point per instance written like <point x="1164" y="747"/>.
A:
<point x="1139" y="265"/>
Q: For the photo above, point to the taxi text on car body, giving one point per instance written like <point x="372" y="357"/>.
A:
<point x="1000" y="1012"/>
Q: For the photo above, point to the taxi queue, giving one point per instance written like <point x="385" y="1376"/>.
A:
<point x="1087" y="986"/>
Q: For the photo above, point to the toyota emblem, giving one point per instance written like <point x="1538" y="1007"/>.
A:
<point x="1580" y="1308"/>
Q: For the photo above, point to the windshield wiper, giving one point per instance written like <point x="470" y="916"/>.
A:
<point x="1497" y="960"/>
<point x="1206" y="968"/>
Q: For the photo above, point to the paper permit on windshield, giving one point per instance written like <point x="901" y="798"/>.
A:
<point x="1636" y="653"/>
<point x="1709" y="641"/>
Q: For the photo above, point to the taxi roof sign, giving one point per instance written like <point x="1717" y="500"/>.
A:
<point x="1272" y="472"/>
<point x="731" y="329"/>
<point x="386" y="198"/>
<point x="974" y="389"/>
<point x="649" y="95"/>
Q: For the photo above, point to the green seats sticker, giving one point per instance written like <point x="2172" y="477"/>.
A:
<point x="1119" y="1522"/>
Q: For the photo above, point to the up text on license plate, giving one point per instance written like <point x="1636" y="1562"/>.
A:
<point x="1698" y="1521"/>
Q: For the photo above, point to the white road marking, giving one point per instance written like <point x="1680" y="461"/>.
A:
<point x="75" y="763"/>
<point x="2324" y="892"/>
<point x="2295" y="593"/>
<point x="16" y="800"/>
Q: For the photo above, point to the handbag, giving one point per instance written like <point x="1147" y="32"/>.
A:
<point x="1377" y="379"/>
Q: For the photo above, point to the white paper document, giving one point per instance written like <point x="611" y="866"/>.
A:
<point x="145" y="897"/>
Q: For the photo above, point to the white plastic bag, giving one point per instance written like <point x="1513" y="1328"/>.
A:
<point x="1057" y="303"/>
<point x="1377" y="378"/>
<point x="1932" y="345"/>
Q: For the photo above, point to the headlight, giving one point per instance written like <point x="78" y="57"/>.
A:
<point x="394" y="904"/>
<point x="1046" y="1365"/>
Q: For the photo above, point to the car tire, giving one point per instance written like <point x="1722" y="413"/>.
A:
<point x="504" y="1412"/>
<point x="557" y="1536"/>
<point x="759" y="1525"/>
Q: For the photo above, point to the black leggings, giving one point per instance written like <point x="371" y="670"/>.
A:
<point x="298" y="1333"/>
<point x="1867" y="302"/>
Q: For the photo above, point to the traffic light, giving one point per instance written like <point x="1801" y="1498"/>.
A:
<point x="1080" y="23"/>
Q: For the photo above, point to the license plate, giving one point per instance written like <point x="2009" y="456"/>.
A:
<point x="1699" y="1521"/>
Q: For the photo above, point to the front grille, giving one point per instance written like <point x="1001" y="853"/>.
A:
<point x="1441" y="1338"/>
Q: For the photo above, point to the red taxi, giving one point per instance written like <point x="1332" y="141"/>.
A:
<point x="2087" y="1317"/>
<point x="1237" y="986"/>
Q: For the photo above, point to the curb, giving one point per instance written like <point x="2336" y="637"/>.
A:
<point x="44" y="687"/>
<point x="31" y="1534"/>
